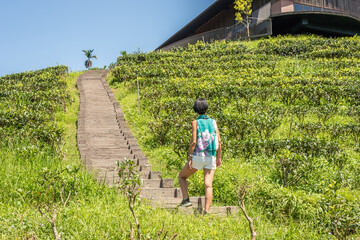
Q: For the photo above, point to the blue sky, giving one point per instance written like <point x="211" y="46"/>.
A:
<point x="40" y="33"/>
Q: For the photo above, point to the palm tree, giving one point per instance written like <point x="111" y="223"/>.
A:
<point x="88" y="54"/>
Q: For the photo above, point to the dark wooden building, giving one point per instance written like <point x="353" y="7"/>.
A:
<point x="271" y="17"/>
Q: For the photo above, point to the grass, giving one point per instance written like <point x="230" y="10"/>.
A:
<point x="98" y="212"/>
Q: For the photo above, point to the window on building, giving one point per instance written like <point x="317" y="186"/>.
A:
<point x="317" y="9"/>
<point x="298" y="7"/>
<point x="307" y="8"/>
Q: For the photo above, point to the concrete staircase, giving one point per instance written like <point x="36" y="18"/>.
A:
<point x="104" y="138"/>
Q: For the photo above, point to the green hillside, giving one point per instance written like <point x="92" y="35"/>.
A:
<point x="40" y="158"/>
<point x="288" y="109"/>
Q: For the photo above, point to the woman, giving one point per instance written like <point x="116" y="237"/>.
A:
<point x="204" y="153"/>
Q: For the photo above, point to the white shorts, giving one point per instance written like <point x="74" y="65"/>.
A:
<point x="200" y="162"/>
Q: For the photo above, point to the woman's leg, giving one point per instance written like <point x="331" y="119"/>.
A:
<point x="183" y="175"/>
<point x="208" y="179"/>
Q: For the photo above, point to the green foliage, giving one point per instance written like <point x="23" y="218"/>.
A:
<point x="243" y="7"/>
<point x="288" y="106"/>
<point x="342" y="208"/>
<point x="292" y="167"/>
<point x="129" y="185"/>
<point x="96" y="211"/>
<point x="29" y="103"/>
<point x="53" y="187"/>
<point x="129" y="179"/>
<point x="52" y="192"/>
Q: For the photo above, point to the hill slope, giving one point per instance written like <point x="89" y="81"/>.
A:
<point x="288" y="110"/>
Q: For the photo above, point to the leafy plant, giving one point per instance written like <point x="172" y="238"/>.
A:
<point x="130" y="185"/>
<point x="342" y="213"/>
<point x="293" y="167"/>
<point x="52" y="193"/>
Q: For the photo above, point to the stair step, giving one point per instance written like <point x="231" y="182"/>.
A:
<point x="142" y="161"/>
<point x="108" y="148"/>
<point x="221" y="211"/>
<point x="150" y="175"/>
<point x="103" y="131"/>
<point x="132" y="142"/>
<point x="145" y="167"/>
<point x="170" y="203"/>
<point x="158" y="183"/>
<point x="119" y="157"/>
<point x="114" y="144"/>
<point x="109" y="151"/>
<point x="159" y="193"/>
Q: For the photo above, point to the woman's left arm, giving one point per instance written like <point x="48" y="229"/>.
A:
<point x="192" y="143"/>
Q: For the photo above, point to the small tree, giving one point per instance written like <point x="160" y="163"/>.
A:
<point x="52" y="192"/>
<point x="241" y="188"/>
<point x="88" y="54"/>
<point x="130" y="186"/>
<point x="244" y="8"/>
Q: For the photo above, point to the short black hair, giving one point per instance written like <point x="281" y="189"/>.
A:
<point x="200" y="106"/>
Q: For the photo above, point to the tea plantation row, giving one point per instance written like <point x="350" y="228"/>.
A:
<point x="287" y="107"/>
<point x="29" y="102"/>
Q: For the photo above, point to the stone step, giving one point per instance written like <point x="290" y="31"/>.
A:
<point x="93" y="159"/>
<point x="110" y="165"/>
<point x="105" y="122"/>
<point x="102" y="167"/>
<point x="119" y="144"/>
<point x="109" y="151"/>
<point x="111" y="178"/>
<point x="132" y="142"/>
<point x="150" y="175"/>
<point x="91" y="78"/>
<point x="160" y="193"/>
<point x="112" y="156"/>
<point x="136" y="152"/>
<point x="144" y="168"/>
<point x="140" y="155"/>
<point x="158" y="183"/>
<point x="145" y="175"/>
<point x="142" y="161"/>
<point x="102" y="131"/>
<point x="96" y="125"/>
<point x="129" y="137"/>
<point x="170" y="203"/>
<point x="105" y="138"/>
<point x="109" y="124"/>
<point x="134" y="148"/>
<point x="90" y="133"/>
<point x="101" y="142"/>
<point x="221" y="211"/>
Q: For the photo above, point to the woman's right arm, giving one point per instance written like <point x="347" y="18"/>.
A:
<point x="218" y="152"/>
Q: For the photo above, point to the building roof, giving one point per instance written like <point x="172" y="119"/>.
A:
<point x="205" y="16"/>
